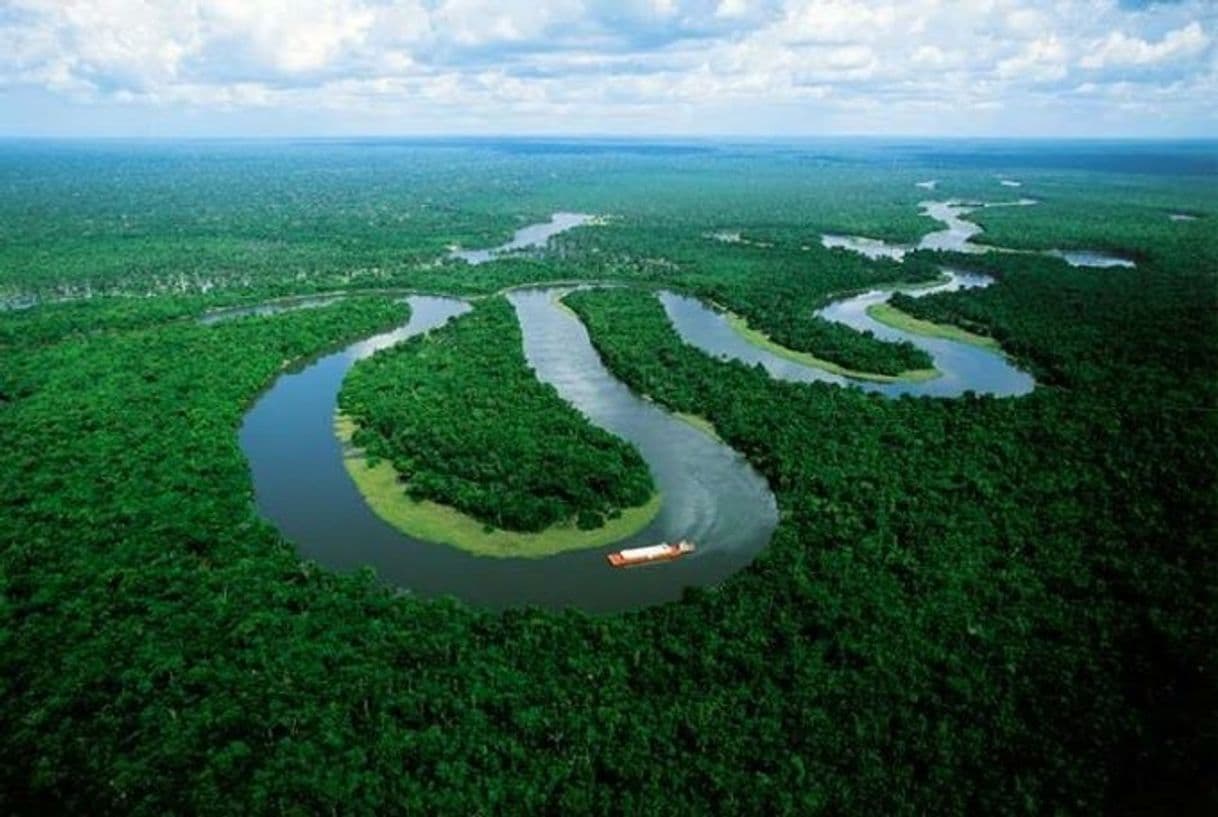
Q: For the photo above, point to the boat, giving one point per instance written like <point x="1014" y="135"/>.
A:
<point x="663" y="552"/>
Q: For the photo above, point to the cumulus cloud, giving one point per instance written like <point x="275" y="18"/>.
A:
<point x="287" y="36"/>
<point x="1119" y="49"/>
<point x="655" y="65"/>
<point x="1042" y="60"/>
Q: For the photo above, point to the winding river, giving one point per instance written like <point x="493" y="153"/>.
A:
<point x="957" y="235"/>
<point x="532" y="235"/>
<point x="710" y="493"/>
<point x="962" y="366"/>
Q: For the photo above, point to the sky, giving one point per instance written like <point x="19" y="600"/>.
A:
<point x="764" y="68"/>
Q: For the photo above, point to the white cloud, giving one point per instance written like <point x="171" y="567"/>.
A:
<point x="932" y="56"/>
<point x="1042" y="60"/>
<point x="837" y="21"/>
<point x="1027" y="22"/>
<point x="478" y="22"/>
<point x="291" y="36"/>
<point x="732" y="8"/>
<point x="805" y="64"/>
<point x="1118" y="49"/>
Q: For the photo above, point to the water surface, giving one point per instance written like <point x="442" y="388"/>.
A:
<point x="872" y="248"/>
<point x="963" y="367"/>
<point x="1091" y="258"/>
<point x="534" y="235"/>
<point x="710" y="493"/>
<point x="957" y="236"/>
<point x="269" y="308"/>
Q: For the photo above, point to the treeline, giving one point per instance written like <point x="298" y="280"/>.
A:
<point x="171" y="219"/>
<point x="1125" y="215"/>
<point x="466" y="422"/>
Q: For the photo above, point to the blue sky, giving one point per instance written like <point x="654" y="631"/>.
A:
<point x="1119" y="68"/>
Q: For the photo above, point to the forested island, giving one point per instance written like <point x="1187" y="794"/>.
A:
<point x="463" y="422"/>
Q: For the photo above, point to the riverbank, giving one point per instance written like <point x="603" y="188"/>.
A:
<point x="889" y="315"/>
<point x="763" y="341"/>
<point x="701" y="423"/>
<point x="381" y="487"/>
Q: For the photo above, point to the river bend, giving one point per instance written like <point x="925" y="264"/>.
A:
<point x="710" y="493"/>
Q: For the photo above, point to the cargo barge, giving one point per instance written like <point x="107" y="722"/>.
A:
<point x="663" y="552"/>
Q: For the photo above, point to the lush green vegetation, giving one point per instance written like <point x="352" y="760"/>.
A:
<point x="215" y="219"/>
<point x="954" y="530"/>
<point x="776" y="287"/>
<point x="970" y="606"/>
<point x="381" y="487"/>
<point x="1121" y="214"/>
<point x="1140" y="322"/>
<point x="766" y="342"/>
<point x="465" y="423"/>
<point x="891" y="315"/>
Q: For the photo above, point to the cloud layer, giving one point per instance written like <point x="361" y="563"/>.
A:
<point x="986" y="67"/>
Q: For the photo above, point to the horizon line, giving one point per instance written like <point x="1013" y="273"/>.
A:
<point x="589" y="137"/>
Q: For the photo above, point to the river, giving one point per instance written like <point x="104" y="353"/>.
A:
<point x="957" y="236"/>
<point x="710" y="493"/>
<point x="962" y="366"/>
<point x="532" y="235"/>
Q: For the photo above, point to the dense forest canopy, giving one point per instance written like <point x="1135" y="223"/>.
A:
<point x="466" y="423"/>
<point x="973" y="606"/>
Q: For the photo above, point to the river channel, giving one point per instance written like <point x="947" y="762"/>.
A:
<point x="957" y="236"/>
<point x="962" y="366"/>
<point x="710" y="493"/>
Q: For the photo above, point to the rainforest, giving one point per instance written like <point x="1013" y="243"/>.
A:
<point x="305" y="510"/>
<point x="465" y="423"/>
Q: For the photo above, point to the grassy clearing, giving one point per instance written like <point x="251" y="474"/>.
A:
<point x="762" y="340"/>
<point x="434" y="522"/>
<point x="889" y="315"/>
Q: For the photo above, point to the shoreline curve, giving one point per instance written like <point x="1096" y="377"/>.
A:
<point x="381" y="488"/>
